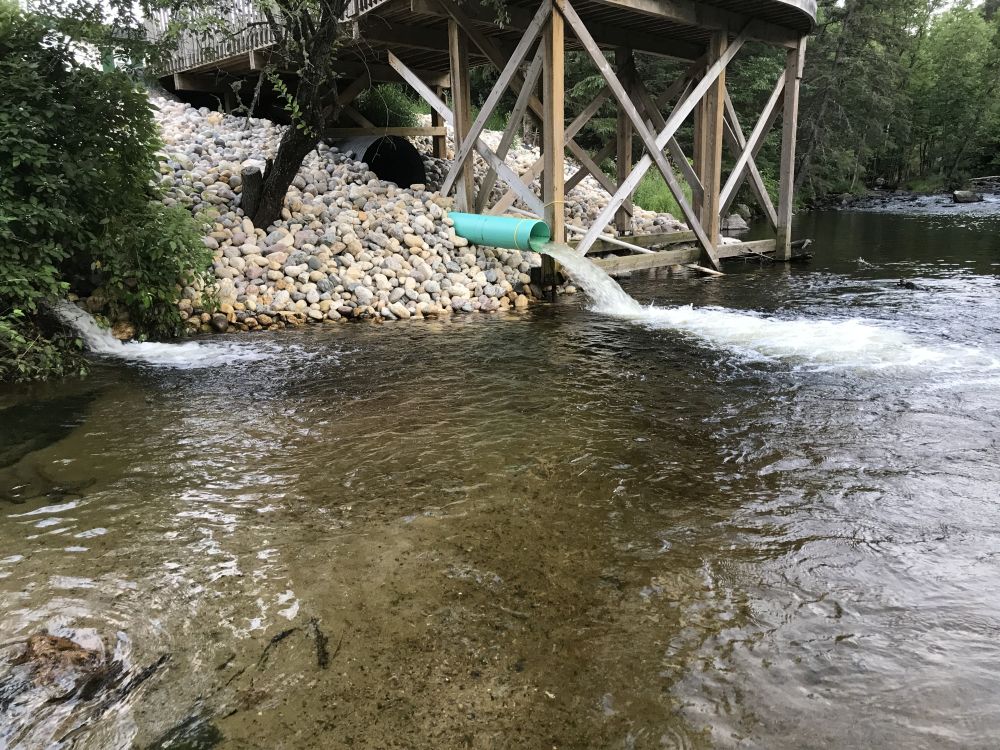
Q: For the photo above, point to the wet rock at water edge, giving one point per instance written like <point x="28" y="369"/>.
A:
<point x="346" y="245"/>
<point x="220" y="324"/>
<point x="966" y="196"/>
<point x="59" y="666"/>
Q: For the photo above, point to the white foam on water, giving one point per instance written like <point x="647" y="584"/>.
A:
<point x="187" y="355"/>
<point x="816" y="343"/>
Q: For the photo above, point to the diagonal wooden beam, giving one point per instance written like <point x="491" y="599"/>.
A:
<point x="464" y="151"/>
<point x="673" y="124"/>
<point x="676" y="152"/>
<point x="737" y="142"/>
<point x="750" y="146"/>
<point x="498" y="59"/>
<point x="510" y="132"/>
<point x="653" y="149"/>
<point x="505" y="172"/>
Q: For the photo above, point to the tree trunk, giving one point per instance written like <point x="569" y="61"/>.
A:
<point x="253" y="186"/>
<point x="295" y="145"/>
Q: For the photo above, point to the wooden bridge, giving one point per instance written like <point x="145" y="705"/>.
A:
<point x="431" y="44"/>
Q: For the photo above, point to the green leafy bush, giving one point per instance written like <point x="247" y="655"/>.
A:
<point x="77" y="154"/>
<point x="387" y="105"/>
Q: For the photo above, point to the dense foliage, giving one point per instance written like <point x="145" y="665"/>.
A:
<point x="77" y="151"/>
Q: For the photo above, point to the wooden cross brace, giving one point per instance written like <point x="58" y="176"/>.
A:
<point x="506" y="173"/>
<point x="654" y="146"/>
<point x="746" y="152"/>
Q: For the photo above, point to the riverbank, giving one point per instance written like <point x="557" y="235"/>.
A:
<point x="921" y="204"/>
<point x="348" y="245"/>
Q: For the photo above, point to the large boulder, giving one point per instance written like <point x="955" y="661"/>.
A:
<point x="735" y="223"/>
<point x="966" y="196"/>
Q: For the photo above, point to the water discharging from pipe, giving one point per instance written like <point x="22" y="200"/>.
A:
<point x="815" y="343"/>
<point x="189" y="354"/>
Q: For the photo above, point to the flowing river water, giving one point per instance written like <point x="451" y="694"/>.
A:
<point x="761" y="511"/>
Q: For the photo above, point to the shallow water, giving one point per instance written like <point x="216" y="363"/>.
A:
<point x="772" y="523"/>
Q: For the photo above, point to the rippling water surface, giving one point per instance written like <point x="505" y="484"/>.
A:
<point x="773" y="523"/>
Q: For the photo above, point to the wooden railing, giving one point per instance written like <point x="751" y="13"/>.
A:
<point x="244" y="29"/>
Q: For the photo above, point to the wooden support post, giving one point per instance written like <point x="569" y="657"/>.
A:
<point x="625" y="66"/>
<point x="553" y="134"/>
<point x="713" y="109"/>
<point x="440" y="142"/>
<point x="461" y="95"/>
<point x="793" y="76"/>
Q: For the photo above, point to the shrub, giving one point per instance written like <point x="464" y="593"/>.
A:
<point x="77" y="154"/>
<point x="387" y="105"/>
<point x="653" y="194"/>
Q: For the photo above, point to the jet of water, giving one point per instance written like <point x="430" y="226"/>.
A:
<point x="820" y="343"/>
<point x="185" y="355"/>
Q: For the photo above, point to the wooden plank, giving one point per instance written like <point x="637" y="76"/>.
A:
<point x="513" y="126"/>
<point x="704" y="16"/>
<point x="793" y="76"/>
<point x="746" y="249"/>
<point x="608" y="35"/>
<point x="199" y="82"/>
<point x="498" y="59"/>
<point x="554" y="126"/>
<point x="748" y="149"/>
<point x="734" y="134"/>
<point x="439" y="146"/>
<point x="653" y="260"/>
<point x="653" y="149"/>
<point x="681" y="257"/>
<point x="359" y="118"/>
<point x="464" y="151"/>
<point x="353" y="89"/>
<point x="652" y="112"/>
<point x="428" y="95"/>
<point x="713" y="109"/>
<point x="378" y="130"/>
<point x="625" y="65"/>
<point x="461" y="94"/>
<point x="260" y="59"/>
<point x="673" y="124"/>
<point x="643" y="240"/>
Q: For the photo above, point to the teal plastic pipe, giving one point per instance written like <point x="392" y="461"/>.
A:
<point x="502" y="231"/>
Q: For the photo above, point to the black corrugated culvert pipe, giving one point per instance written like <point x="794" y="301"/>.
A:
<point x="392" y="158"/>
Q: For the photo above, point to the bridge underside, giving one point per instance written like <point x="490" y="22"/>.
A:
<point x="431" y="45"/>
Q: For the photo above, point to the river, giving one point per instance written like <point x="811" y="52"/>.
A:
<point x="771" y="520"/>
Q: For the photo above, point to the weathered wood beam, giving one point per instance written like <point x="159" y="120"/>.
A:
<point x="498" y="58"/>
<point x="359" y="118"/>
<point x="713" y="111"/>
<point x="681" y="257"/>
<point x="673" y="124"/>
<point x="643" y="240"/>
<point x="205" y="82"/>
<point x="554" y="128"/>
<point x="428" y="95"/>
<point x="652" y="112"/>
<point x="625" y="66"/>
<point x="790" y="119"/>
<point x="608" y="35"/>
<point x="387" y="131"/>
<point x="705" y="16"/>
<point x="461" y="96"/>
<point x="739" y="144"/>
<point x="653" y="149"/>
<point x="464" y="150"/>
<point x="440" y="143"/>
<point x="380" y="31"/>
<point x="513" y="126"/>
